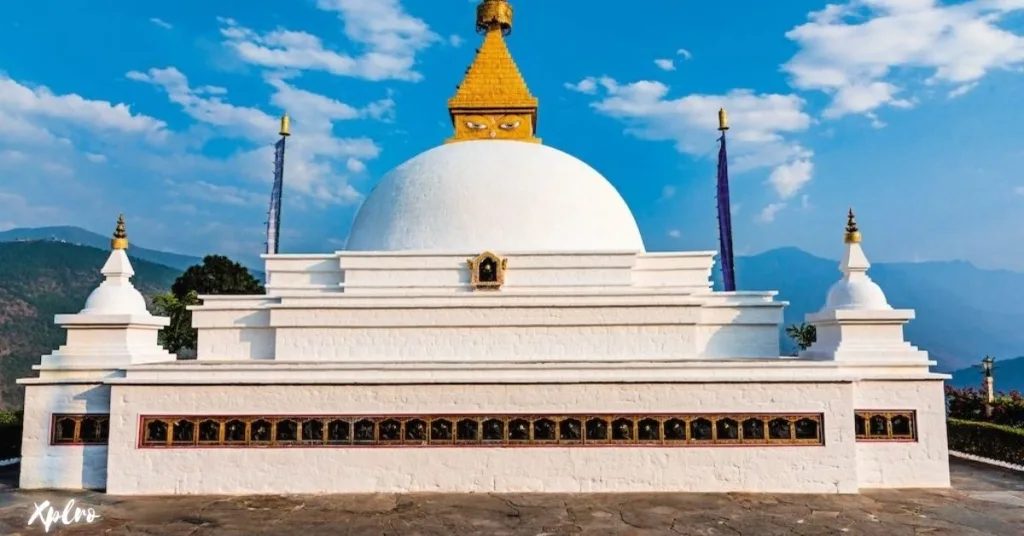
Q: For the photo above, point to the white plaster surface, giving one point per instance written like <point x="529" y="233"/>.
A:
<point x="45" y="466"/>
<point x="920" y="464"/>
<point x="505" y="196"/>
<point x="811" y="469"/>
<point x="116" y="295"/>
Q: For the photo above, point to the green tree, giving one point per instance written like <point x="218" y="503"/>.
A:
<point x="216" y="275"/>
<point x="803" y="334"/>
<point x="178" y="337"/>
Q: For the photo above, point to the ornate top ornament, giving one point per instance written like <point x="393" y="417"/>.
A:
<point x="286" y="125"/>
<point x="494" y="15"/>
<point x="493" y="102"/>
<point x="723" y="120"/>
<point x="120" y="238"/>
<point x="852" y="232"/>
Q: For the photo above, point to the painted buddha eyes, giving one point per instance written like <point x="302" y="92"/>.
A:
<point x="508" y="125"/>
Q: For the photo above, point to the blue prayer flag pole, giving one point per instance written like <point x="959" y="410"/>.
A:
<point x="724" y="209"/>
<point x="274" y="212"/>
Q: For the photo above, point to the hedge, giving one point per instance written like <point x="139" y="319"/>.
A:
<point x="10" y="434"/>
<point x="970" y="405"/>
<point x="993" y="441"/>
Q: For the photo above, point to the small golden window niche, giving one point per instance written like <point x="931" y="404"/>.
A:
<point x="487" y="271"/>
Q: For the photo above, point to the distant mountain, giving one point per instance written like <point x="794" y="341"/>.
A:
<point x="1007" y="376"/>
<point x="40" y="279"/>
<point x="963" y="312"/>
<point x="77" y="235"/>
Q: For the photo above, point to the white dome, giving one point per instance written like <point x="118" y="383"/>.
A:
<point x="111" y="299"/>
<point x="505" y="196"/>
<point x="856" y="293"/>
<point x="116" y="295"/>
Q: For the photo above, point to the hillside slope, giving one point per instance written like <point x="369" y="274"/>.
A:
<point x="83" y="237"/>
<point x="40" y="279"/>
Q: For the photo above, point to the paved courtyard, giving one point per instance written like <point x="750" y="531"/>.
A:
<point x="982" y="501"/>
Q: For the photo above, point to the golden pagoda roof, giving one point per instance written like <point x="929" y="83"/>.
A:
<point x="493" y="81"/>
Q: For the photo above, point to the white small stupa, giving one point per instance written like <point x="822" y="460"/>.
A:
<point x="114" y="329"/>
<point x="857" y="324"/>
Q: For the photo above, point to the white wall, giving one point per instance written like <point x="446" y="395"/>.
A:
<point x="45" y="466"/>
<point x="810" y="469"/>
<point x="405" y="272"/>
<point x="606" y="326"/>
<point x="920" y="464"/>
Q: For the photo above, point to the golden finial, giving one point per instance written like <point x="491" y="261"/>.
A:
<point x="120" y="239"/>
<point x="852" y="232"/>
<point x="723" y="120"/>
<point x="285" y="125"/>
<point x="494" y="15"/>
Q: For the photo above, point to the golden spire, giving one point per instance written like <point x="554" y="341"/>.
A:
<point x="723" y="120"/>
<point x="493" y="102"/>
<point x="120" y="239"/>
<point x="852" y="232"/>
<point x="285" y="125"/>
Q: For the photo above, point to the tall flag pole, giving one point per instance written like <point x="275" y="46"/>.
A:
<point x="724" y="209"/>
<point x="274" y="213"/>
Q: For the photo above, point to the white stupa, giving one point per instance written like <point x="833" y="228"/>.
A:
<point x="494" y="324"/>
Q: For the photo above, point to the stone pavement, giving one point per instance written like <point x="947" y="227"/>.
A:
<point x="982" y="501"/>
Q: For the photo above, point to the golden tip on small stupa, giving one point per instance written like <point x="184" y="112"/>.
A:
<point x="120" y="238"/>
<point x="285" y="125"/>
<point x="852" y="232"/>
<point x="723" y="119"/>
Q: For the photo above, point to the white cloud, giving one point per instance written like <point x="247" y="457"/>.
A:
<point x="760" y="139"/>
<point x="587" y="86"/>
<point x="455" y="40"/>
<point x="960" y="91"/>
<point x="389" y="38"/>
<point x="161" y="23"/>
<point x="665" y="64"/>
<point x="674" y="233"/>
<point x="1019" y="190"/>
<point x="19" y="212"/>
<point x="684" y="53"/>
<point x="217" y="193"/>
<point x="34" y="113"/>
<point x="316" y="160"/>
<point x="868" y="54"/>
<point x="769" y="212"/>
<point x="668" y="192"/>
<point x="95" y="158"/>
<point x="790" y="177"/>
<point x="355" y="165"/>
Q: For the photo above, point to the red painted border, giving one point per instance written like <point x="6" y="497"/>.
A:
<point x="492" y="445"/>
<point x="913" y="419"/>
<point x="50" y="430"/>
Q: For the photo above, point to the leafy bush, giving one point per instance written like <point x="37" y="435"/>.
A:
<point x="969" y="404"/>
<point x="10" y="434"/>
<point x="988" y="440"/>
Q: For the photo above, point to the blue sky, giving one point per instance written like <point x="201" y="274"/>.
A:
<point x="907" y="110"/>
